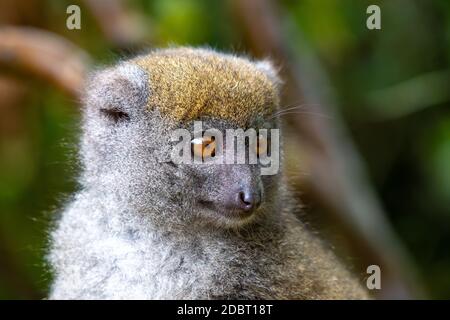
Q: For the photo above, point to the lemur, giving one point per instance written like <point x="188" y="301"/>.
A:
<point x="144" y="227"/>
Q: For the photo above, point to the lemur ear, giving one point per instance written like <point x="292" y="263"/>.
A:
<point x="117" y="93"/>
<point x="268" y="68"/>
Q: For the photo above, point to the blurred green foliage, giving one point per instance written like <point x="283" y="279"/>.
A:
<point x="392" y="87"/>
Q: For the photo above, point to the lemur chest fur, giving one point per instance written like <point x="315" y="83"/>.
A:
<point x="120" y="261"/>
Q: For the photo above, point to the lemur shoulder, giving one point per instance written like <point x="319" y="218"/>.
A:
<point x="143" y="227"/>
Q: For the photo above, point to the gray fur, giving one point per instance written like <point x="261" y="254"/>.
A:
<point x="136" y="230"/>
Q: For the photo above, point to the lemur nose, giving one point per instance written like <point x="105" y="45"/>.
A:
<point x="248" y="200"/>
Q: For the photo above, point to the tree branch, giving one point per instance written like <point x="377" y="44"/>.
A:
<point x="44" y="55"/>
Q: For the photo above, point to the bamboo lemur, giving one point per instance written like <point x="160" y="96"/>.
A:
<point x="143" y="227"/>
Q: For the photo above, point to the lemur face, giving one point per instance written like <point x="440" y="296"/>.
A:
<point x="231" y="188"/>
<point x="132" y="111"/>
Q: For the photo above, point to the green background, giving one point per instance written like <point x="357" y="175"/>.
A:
<point x="392" y="87"/>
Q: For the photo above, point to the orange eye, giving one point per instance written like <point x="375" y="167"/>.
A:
<point x="203" y="148"/>
<point x="261" y="148"/>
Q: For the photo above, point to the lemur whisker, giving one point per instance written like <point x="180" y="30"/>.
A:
<point x="302" y="113"/>
<point x="290" y="108"/>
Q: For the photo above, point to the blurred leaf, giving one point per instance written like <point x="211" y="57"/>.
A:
<point x="181" y="21"/>
<point x="437" y="156"/>
<point x="410" y="96"/>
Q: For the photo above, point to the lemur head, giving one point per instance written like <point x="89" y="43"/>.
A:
<point x="130" y="114"/>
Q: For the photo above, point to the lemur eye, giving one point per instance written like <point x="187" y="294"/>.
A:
<point x="261" y="148"/>
<point x="115" y="115"/>
<point x="203" y="148"/>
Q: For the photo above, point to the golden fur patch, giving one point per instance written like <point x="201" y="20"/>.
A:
<point x="187" y="84"/>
